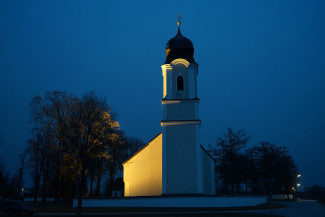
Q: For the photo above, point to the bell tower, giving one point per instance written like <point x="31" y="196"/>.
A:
<point x="182" y="169"/>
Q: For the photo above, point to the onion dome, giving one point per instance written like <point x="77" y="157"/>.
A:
<point x="179" y="47"/>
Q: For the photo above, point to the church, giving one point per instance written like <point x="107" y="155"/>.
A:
<point x="174" y="162"/>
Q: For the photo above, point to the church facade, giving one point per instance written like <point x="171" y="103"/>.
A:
<point x="174" y="162"/>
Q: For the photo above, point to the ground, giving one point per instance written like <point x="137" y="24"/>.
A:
<point x="302" y="208"/>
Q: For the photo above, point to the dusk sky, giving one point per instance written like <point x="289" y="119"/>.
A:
<point x="261" y="67"/>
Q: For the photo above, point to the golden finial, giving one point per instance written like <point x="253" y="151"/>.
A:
<point x="179" y="20"/>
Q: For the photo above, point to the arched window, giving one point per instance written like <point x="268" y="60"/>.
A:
<point x="180" y="83"/>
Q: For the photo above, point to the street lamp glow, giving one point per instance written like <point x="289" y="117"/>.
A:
<point x="298" y="184"/>
<point x="298" y="175"/>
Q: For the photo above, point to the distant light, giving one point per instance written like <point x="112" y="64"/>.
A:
<point x="298" y="184"/>
<point x="298" y="175"/>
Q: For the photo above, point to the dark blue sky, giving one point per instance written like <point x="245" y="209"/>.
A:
<point x="261" y="67"/>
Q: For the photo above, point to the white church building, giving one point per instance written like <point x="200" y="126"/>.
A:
<point x="174" y="162"/>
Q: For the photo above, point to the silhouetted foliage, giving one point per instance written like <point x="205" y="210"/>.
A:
<point x="315" y="192"/>
<point x="4" y="180"/>
<point x="275" y="170"/>
<point x="266" y="168"/>
<point x="229" y="159"/>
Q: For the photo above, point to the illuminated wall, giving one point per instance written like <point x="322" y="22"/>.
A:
<point x="143" y="171"/>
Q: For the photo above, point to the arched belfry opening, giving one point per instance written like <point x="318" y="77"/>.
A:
<point x="180" y="83"/>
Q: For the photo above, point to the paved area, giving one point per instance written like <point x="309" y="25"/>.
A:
<point x="302" y="208"/>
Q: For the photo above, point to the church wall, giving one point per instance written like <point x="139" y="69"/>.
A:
<point x="208" y="173"/>
<point x="182" y="110"/>
<point x="143" y="171"/>
<point x="181" y="162"/>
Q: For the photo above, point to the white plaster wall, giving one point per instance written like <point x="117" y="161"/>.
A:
<point x="208" y="173"/>
<point x="181" y="159"/>
<point x="143" y="172"/>
<point x="170" y="73"/>
<point x="182" y="110"/>
<point x="180" y="70"/>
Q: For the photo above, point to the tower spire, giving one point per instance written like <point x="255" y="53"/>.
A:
<point x="179" y="20"/>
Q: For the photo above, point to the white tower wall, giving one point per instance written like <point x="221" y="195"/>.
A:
<point x="182" y="167"/>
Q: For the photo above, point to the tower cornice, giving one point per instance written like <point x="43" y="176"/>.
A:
<point x="179" y="122"/>
<point x="173" y="101"/>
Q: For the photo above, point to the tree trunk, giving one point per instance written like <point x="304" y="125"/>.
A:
<point x="45" y="188"/>
<point x="91" y="185"/>
<point x="81" y="186"/>
<point x="57" y="186"/>
<point x="36" y="186"/>
<point x="111" y="182"/>
<point x="99" y="178"/>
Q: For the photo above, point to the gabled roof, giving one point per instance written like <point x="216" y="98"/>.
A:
<point x="141" y="149"/>
<point x="208" y="153"/>
<point x="154" y="139"/>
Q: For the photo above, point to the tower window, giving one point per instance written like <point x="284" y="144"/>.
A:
<point x="180" y="83"/>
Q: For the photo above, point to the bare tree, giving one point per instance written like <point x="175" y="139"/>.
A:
<point x="94" y="122"/>
<point x="78" y="140"/>
<point x="21" y="170"/>
<point x="52" y="113"/>
<point x="134" y="144"/>
<point x="229" y="157"/>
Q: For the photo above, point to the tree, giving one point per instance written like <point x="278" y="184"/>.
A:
<point x="40" y="156"/>
<point x="134" y="144"/>
<point x="229" y="158"/>
<point x="4" y="180"/>
<point x="91" y="123"/>
<point x="118" y="151"/>
<point x="275" y="167"/>
<point x="264" y="168"/>
<point x="52" y="113"/>
<point x="77" y="134"/>
<point x="314" y="192"/>
<point x="21" y="171"/>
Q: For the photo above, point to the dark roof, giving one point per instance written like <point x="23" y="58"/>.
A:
<point x="179" y="47"/>
<point x="179" y="41"/>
